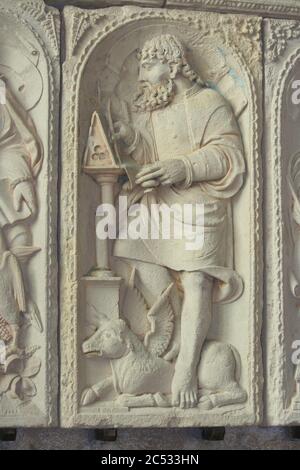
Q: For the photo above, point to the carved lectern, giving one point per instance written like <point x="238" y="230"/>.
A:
<point x="100" y="163"/>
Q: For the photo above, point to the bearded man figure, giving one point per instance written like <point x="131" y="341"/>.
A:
<point x="188" y="143"/>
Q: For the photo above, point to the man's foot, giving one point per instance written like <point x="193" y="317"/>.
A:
<point x="205" y="404"/>
<point x="184" y="389"/>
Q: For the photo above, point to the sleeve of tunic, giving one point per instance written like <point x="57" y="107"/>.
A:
<point x="218" y="166"/>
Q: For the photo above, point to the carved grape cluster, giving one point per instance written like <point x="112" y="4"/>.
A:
<point x="280" y="34"/>
<point x="5" y="332"/>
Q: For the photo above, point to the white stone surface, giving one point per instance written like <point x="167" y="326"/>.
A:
<point x="29" y="68"/>
<point x="282" y="145"/>
<point x="101" y="63"/>
<point x="280" y="8"/>
<point x="103" y="3"/>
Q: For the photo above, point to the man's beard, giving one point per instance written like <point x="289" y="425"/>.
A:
<point x="151" y="97"/>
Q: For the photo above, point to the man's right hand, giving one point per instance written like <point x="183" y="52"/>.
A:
<point x="24" y="192"/>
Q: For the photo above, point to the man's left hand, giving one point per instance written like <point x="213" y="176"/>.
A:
<point x="166" y="172"/>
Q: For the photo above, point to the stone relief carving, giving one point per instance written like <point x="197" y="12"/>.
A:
<point x="20" y="162"/>
<point x="293" y="181"/>
<point x="282" y="148"/>
<point x="27" y="79"/>
<point x="280" y="33"/>
<point x="152" y="312"/>
<point x="141" y="377"/>
<point x="284" y="8"/>
<point x="82" y="22"/>
<point x="49" y="18"/>
<point x="103" y="3"/>
<point x="172" y="167"/>
<point x="148" y="329"/>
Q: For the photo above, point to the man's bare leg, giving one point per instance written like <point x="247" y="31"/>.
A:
<point x="195" y="323"/>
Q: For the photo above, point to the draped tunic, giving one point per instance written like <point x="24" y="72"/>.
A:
<point x="199" y="125"/>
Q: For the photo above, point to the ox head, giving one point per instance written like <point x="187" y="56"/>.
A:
<point x="108" y="340"/>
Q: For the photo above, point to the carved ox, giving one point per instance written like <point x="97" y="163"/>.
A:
<point x="142" y="378"/>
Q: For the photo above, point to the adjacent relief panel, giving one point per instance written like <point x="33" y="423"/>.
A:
<point x="162" y="111"/>
<point x="29" y="93"/>
<point x="282" y="165"/>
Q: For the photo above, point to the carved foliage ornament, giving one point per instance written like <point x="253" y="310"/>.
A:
<point x="81" y="23"/>
<point x="277" y="6"/>
<point x="249" y="28"/>
<point x="280" y="34"/>
<point x="47" y="17"/>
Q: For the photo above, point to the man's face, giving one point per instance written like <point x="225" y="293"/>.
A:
<point x="153" y="72"/>
<point x="156" y="88"/>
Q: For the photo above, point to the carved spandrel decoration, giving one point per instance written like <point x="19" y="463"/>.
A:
<point x="156" y="324"/>
<point x="28" y="138"/>
<point x="282" y="146"/>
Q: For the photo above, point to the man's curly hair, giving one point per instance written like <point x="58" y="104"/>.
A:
<point x="168" y="49"/>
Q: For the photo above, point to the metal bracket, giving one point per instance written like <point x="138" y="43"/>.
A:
<point x="8" y="435"/>
<point x="213" y="434"/>
<point x="294" y="432"/>
<point x="106" y="435"/>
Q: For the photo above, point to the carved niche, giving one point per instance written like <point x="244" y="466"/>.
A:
<point x="282" y="157"/>
<point x="161" y="107"/>
<point x="29" y="89"/>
